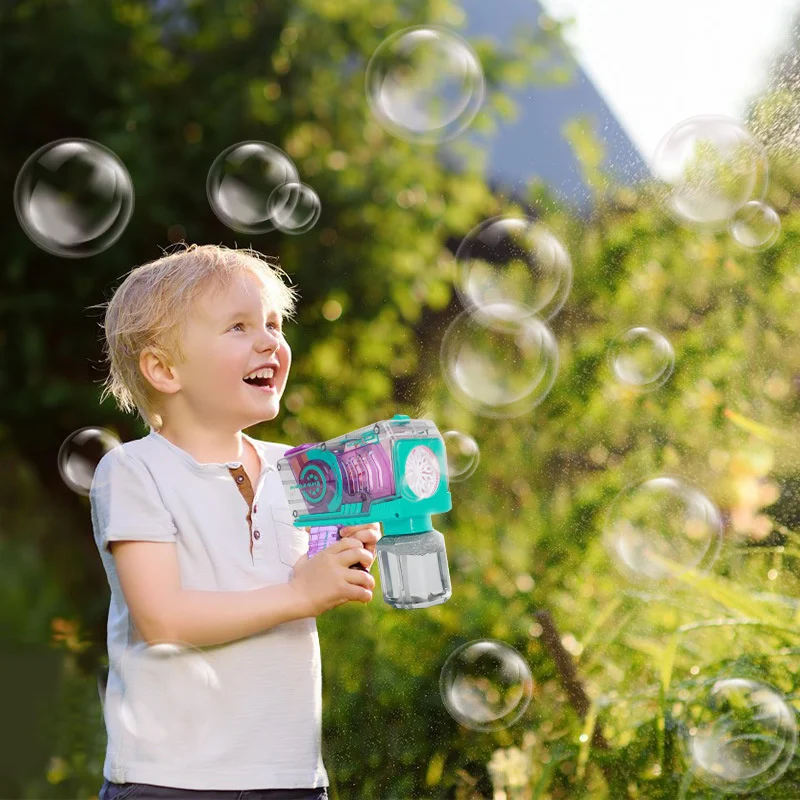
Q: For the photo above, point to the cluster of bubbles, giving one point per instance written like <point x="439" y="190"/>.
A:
<point x="713" y="174"/>
<point x="499" y="357"/>
<point x="254" y="187"/>
<point x="74" y="197"/>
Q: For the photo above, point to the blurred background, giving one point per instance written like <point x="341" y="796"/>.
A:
<point x="614" y="362"/>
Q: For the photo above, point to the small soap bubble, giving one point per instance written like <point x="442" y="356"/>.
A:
<point x="486" y="685"/>
<point x="463" y="455"/>
<point x="168" y="690"/>
<point x="79" y="455"/>
<point x="738" y="735"/>
<point x="241" y="181"/>
<point x="642" y="357"/>
<point x="755" y="226"/>
<point x="513" y="262"/>
<point x="424" y="84"/>
<point x="499" y="370"/>
<point x="73" y="198"/>
<point x="294" y="207"/>
<point x="709" y="166"/>
<point x="662" y="527"/>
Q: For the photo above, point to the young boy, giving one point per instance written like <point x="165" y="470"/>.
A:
<point x="197" y="541"/>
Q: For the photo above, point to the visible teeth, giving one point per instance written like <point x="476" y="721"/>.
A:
<point x="261" y="373"/>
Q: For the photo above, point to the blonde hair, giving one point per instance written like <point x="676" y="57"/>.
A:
<point x="150" y="307"/>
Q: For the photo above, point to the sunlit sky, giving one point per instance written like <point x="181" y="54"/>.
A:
<point x="656" y="63"/>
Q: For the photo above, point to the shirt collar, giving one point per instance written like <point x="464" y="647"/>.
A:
<point x="194" y="464"/>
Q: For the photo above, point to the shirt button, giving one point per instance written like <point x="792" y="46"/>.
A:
<point x="239" y="478"/>
<point x="256" y="535"/>
<point x="255" y="508"/>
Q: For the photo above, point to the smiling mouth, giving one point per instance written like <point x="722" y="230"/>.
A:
<point x="263" y="383"/>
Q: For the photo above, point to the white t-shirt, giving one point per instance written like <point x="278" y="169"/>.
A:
<point x="241" y="715"/>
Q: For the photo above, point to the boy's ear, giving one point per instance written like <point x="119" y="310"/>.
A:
<point x="158" y="372"/>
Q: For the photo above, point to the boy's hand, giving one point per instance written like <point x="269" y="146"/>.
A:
<point x="368" y="534"/>
<point x="327" y="580"/>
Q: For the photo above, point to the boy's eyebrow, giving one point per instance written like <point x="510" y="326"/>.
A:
<point x="246" y="313"/>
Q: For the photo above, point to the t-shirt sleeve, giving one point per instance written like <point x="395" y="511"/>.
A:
<point x="126" y="504"/>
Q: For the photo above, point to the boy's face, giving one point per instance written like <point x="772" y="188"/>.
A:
<point x="231" y="333"/>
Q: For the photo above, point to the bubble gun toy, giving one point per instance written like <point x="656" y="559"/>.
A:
<point x="393" y="472"/>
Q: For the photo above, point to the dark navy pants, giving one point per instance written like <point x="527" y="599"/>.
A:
<point x="147" y="791"/>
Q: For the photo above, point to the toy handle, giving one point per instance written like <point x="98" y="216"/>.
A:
<point x="324" y="536"/>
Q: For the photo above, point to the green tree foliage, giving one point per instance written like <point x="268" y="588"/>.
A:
<point x="376" y="279"/>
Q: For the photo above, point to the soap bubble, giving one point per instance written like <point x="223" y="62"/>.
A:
<point x="79" y="455"/>
<point x="73" y="198"/>
<point x="513" y="262"/>
<point x="642" y="357"/>
<point x="662" y="527"/>
<point x="486" y="685"/>
<point x="168" y="690"/>
<point x="709" y="166"/>
<point x="463" y="455"/>
<point x="499" y="370"/>
<point x="294" y="207"/>
<point x="424" y="84"/>
<point x="241" y="181"/>
<point x="755" y="225"/>
<point x="739" y="735"/>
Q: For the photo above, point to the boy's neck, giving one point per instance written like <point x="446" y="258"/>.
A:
<point x="206" y="445"/>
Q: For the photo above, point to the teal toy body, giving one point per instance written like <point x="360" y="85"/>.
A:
<point x="393" y="472"/>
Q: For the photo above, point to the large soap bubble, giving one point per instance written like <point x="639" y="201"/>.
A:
<point x="73" y="198"/>
<point x="660" y="528"/>
<point x="739" y="735"/>
<point x="513" y="262"/>
<point x="424" y="84"/>
<point x="709" y="167"/>
<point x="499" y="370"/>
<point x="486" y="685"/>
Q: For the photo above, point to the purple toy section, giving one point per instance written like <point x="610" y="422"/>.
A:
<point x="366" y="476"/>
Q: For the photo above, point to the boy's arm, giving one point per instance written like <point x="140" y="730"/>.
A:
<point x="164" y="612"/>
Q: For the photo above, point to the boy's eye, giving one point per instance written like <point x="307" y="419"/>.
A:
<point x="274" y="325"/>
